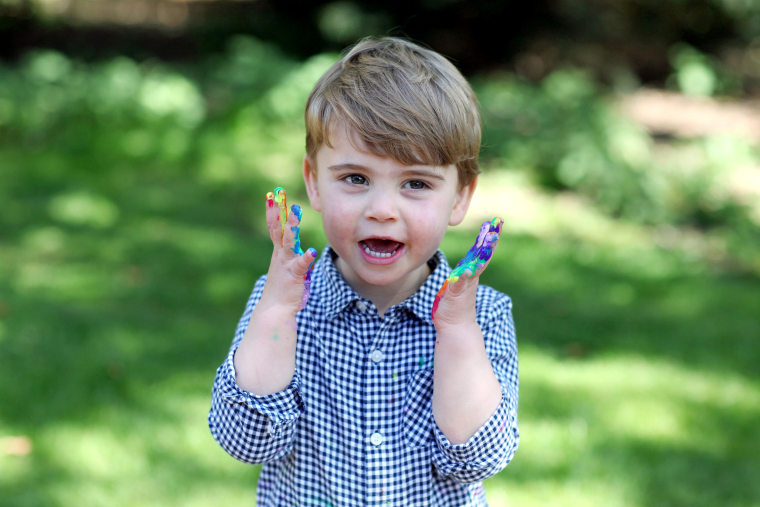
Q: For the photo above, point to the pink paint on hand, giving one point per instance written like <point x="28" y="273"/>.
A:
<point x="480" y="253"/>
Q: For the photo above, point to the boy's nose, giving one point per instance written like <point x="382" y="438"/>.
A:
<point x="382" y="206"/>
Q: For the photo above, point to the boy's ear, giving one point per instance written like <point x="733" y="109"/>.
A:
<point x="462" y="202"/>
<point x="310" y="180"/>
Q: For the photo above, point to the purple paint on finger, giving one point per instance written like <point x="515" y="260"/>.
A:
<point x="479" y="254"/>
<point x="481" y="251"/>
<point x="307" y="277"/>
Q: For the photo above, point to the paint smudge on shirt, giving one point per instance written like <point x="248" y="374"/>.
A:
<point x="320" y="501"/>
<point x="480" y="253"/>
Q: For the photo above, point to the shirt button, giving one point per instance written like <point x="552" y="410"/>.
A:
<point x="376" y="355"/>
<point x="376" y="439"/>
<point x="361" y="306"/>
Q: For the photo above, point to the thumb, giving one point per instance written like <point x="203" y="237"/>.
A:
<point x="306" y="261"/>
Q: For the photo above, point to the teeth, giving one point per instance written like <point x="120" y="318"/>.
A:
<point x="381" y="255"/>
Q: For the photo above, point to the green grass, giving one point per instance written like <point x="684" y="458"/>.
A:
<point x="634" y="390"/>
<point x="128" y="246"/>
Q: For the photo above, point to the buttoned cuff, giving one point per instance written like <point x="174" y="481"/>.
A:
<point x="486" y="453"/>
<point x="281" y="408"/>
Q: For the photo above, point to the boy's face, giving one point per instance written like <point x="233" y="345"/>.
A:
<point x="384" y="219"/>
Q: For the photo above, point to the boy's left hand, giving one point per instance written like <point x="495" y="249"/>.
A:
<point x="455" y="302"/>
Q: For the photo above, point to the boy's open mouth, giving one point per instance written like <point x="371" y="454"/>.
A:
<point x="380" y="248"/>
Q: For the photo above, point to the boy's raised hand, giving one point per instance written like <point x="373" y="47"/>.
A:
<point x="289" y="276"/>
<point x="455" y="302"/>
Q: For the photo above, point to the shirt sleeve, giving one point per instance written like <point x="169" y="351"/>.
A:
<point x="253" y="429"/>
<point x="494" y="445"/>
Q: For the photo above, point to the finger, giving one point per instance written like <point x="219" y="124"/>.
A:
<point x="310" y="256"/>
<point x="480" y="253"/>
<point x="273" y="221"/>
<point x="306" y="261"/>
<point x="474" y="262"/>
<point x="281" y="200"/>
<point x="291" y="237"/>
<point x="486" y="254"/>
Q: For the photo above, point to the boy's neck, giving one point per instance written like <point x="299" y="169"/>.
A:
<point x="385" y="296"/>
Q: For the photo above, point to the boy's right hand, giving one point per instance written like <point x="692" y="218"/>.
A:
<point x="265" y="359"/>
<point x="289" y="275"/>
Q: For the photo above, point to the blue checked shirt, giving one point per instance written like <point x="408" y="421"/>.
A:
<point x="355" y="426"/>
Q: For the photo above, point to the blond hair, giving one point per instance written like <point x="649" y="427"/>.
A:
<point x="403" y="101"/>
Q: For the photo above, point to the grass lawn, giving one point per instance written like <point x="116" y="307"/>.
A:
<point x="127" y="251"/>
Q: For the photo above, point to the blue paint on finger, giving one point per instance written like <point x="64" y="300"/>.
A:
<point x="480" y="253"/>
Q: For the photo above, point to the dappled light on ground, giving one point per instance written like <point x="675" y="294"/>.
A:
<point x="132" y="230"/>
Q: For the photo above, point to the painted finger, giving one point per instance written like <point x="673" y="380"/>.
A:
<point x="480" y="253"/>
<point x="491" y="241"/>
<point x="291" y="237"/>
<point x="280" y="199"/>
<point x="310" y="256"/>
<point x="273" y="220"/>
<point x="476" y="259"/>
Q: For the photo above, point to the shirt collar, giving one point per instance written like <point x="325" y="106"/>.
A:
<point x="333" y="294"/>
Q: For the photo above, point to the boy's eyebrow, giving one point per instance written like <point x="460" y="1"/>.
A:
<point x="427" y="171"/>
<point x="346" y="167"/>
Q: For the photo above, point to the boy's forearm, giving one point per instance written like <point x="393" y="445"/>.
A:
<point x="265" y="360"/>
<point x="466" y="391"/>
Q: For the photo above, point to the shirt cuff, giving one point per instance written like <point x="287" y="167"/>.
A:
<point x="486" y="453"/>
<point x="281" y="408"/>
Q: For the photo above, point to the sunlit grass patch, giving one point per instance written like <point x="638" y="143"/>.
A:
<point x="613" y="425"/>
<point x="132" y="231"/>
<point x="142" y="452"/>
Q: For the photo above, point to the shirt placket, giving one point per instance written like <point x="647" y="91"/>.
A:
<point x="380" y="424"/>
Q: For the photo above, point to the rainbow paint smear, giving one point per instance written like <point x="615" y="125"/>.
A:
<point x="479" y="254"/>
<point x="279" y="197"/>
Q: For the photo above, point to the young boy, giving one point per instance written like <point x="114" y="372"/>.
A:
<point x="355" y="382"/>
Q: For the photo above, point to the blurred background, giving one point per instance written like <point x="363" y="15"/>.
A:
<point x="621" y="146"/>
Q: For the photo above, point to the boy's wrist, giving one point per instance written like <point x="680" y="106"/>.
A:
<point x="445" y="322"/>
<point x="460" y="332"/>
<point x="275" y="310"/>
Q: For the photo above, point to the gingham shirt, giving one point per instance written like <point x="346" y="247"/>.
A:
<point x="355" y="426"/>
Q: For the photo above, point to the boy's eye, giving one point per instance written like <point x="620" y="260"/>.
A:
<point x="356" y="179"/>
<point x="416" y="185"/>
